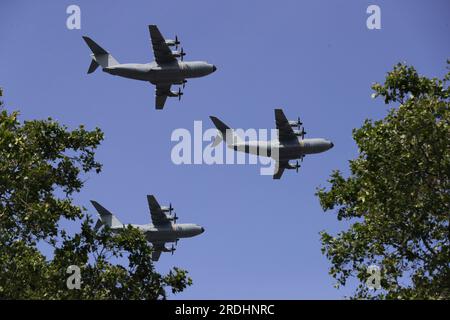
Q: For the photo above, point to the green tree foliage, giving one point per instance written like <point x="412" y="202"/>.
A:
<point x="41" y="167"/>
<point x="397" y="196"/>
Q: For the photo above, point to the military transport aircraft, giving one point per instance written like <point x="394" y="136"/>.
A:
<point x="290" y="144"/>
<point x="163" y="229"/>
<point x="164" y="72"/>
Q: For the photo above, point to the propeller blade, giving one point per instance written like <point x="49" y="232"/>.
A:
<point x="297" y="166"/>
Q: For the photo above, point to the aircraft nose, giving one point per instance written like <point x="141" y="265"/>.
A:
<point x="331" y="144"/>
<point x="203" y="229"/>
<point x="214" y="68"/>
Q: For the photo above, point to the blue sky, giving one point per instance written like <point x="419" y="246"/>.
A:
<point x="315" y="59"/>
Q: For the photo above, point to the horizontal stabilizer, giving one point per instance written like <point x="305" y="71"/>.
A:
<point x="99" y="56"/>
<point x="93" y="66"/>
<point x="225" y="133"/>
<point x="95" y="48"/>
<point x="107" y="217"/>
<point x="217" y="140"/>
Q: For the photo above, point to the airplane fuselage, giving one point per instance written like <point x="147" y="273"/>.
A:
<point x="174" y="72"/>
<point x="169" y="232"/>
<point x="287" y="150"/>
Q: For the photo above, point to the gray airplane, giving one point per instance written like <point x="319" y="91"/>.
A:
<point x="162" y="229"/>
<point x="290" y="144"/>
<point x="164" y="72"/>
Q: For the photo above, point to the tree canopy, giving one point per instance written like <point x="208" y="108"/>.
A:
<point x="42" y="164"/>
<point x="397" y="194"/>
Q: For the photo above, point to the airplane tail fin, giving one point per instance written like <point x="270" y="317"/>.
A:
<point x="99" y="56"/>
<point x="106" y="217"/>
<point x="225" y="133"/>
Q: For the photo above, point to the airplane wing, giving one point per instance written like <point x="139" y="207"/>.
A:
<point x="161" y="50"/>
<point x="161" y="93"/>
<point x="279" y="169"/>
<point x="158" y="247"/>
<point x="158" y="216"/>
<point x="285" y="131"/>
